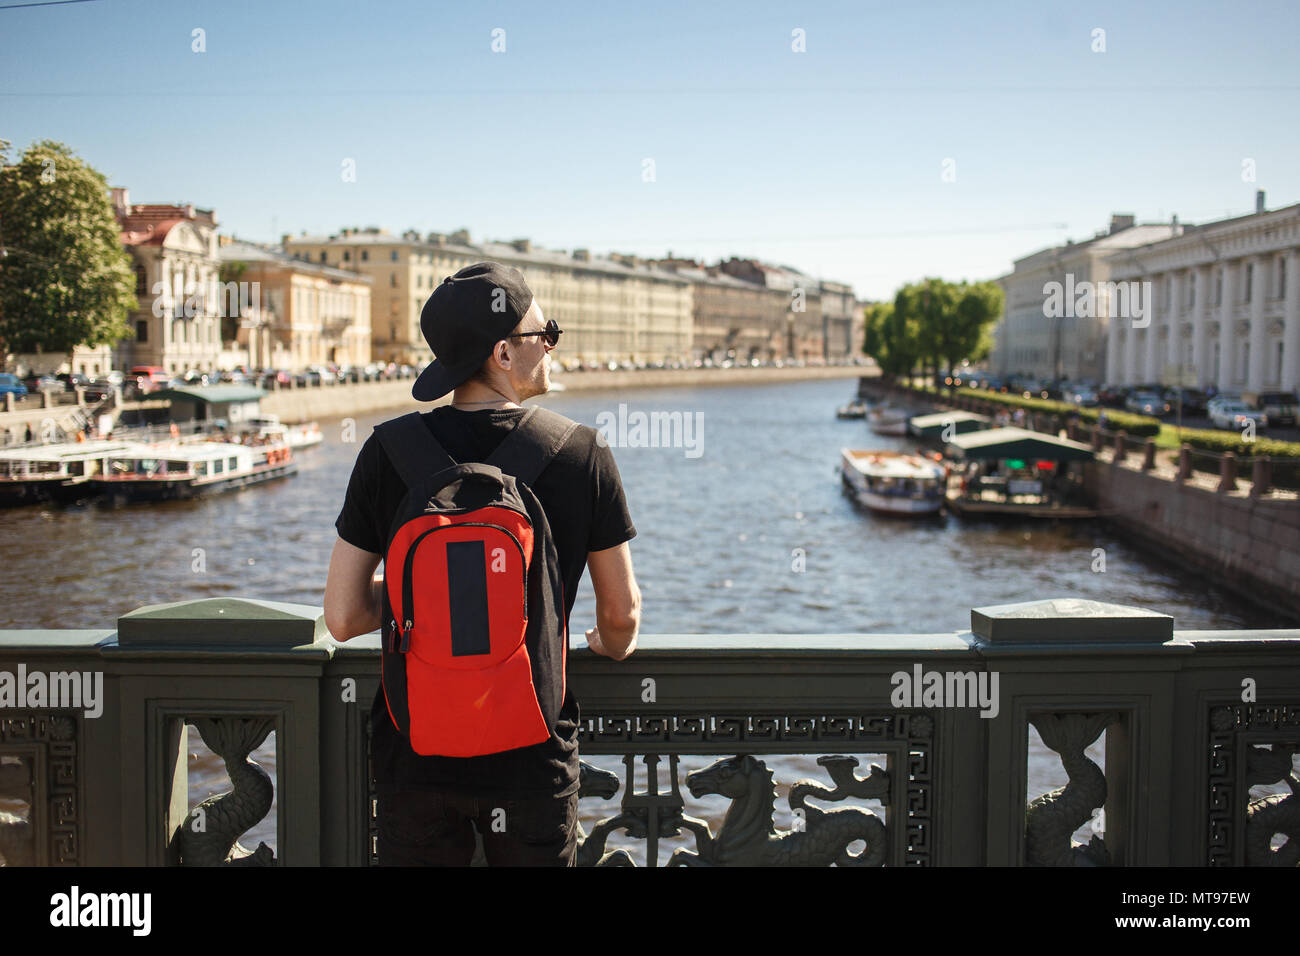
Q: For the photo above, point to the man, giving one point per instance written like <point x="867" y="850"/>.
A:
<point x="493" y="347"/>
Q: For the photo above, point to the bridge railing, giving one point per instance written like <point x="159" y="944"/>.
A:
<point x="698" y="749"/>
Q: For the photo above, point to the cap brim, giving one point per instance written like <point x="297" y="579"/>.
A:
<point x="437" y="380"/>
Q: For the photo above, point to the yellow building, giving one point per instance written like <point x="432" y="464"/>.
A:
<point x="302" y="313"/>
<point x="611" y="308"/>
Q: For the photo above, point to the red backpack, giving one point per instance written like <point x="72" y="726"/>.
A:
<point x="475" y="641"/>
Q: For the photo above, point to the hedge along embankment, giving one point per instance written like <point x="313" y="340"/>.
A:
<point x="1136" y="426"/>
<point x="1285" y="455"/>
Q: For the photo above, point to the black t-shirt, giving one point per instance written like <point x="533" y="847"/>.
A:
<point x="582" y="495"/>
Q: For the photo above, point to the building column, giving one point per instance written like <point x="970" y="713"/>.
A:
<point x="1174" y="344"/>
<point x="1258" y="326"/>
<point x="1154" y="354"/>
<point x="1291" y="324"/>
<point x="1114" y="357"/>
<point x="1200" y="343"/>
<point x="1135" y="340"/>
<point x="1230" y="270"/>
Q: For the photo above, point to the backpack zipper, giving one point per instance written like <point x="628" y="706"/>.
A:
<point x="408" y="566"/>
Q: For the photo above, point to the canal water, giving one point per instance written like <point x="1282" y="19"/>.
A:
<point x="742" y="529"/>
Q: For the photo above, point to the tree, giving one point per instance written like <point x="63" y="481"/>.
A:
<point x="889" y="338"/>
<point x="65" y="279"/>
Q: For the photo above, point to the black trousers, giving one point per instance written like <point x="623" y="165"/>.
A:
<point x="434" y="828"/>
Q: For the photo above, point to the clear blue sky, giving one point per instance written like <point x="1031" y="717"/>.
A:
<point x="828" y="160"/>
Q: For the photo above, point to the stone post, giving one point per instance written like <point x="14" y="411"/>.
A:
<point x="47" y="398"/>
<point x="1096" y="437"/>
<point x="1227" y="472"/>
<point x="81" y="396"/>
<point x="1184" y="462"/>
<point x="1261" y="476"/>
<point x="1149" y="454"/>
<point x="9" y="401"/>
<point x="1121" y="449"/>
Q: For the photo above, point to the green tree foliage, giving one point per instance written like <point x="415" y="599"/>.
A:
<point x="65" y="279"/>
<point x="932" y="323"/>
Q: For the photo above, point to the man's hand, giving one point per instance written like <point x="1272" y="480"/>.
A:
<point x="593" y="641"/>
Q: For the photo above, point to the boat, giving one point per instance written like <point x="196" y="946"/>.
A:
<point x="894" y="482"/>
<point x="888" y="420"/>
<point x="172" y="470"/>
<point x="269" y="427"/>
<point x="854" y="409"/>
<point x="58" y="473"/>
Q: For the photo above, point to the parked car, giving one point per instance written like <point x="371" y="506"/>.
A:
<point x="71" y="380"/>
<point x="10" y="385"/>
<point x="1281" y="408"/>
<point x="1081" y="395"/>
<point x="149" y="378"/>
<point x="36" y="384"/>
<point x="1234" y="413"/>
<point x="1147" y="403"/>
<point x="1194" y="400"/>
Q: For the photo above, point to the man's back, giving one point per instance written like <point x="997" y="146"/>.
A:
<point x="582" y="496"/>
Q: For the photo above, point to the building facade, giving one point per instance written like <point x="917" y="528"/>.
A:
<point x="795" y="298"/>
<point x="302" y="313"/>
<point x="1046" y="331"/>
<point x="177" y="323"/>
<point x="611" y="308"/>
<point x="1226" y="310"/>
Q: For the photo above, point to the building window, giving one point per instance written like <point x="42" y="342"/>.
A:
<point x="1250" y="276"/>
<point x="322" y="255"/>
<point x="365" y="255"/>
<point x="1191" y="291"/>
<point x="347" y="256"/>
<point x="1281" y="277"/>
<point x="1277" y="364"/>
<point x="392" y="279"/>
<point x="141" y="330"/>
<point x="1218" y="287"/>
<point x="393" y="255"/>
<point x="141" y="281"/>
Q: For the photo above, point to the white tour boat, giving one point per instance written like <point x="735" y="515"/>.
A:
<point x="888" y="420"/>
<point x="894" y="481"/>
<point x="189" y="469"/>
<point x="58" y="473"/>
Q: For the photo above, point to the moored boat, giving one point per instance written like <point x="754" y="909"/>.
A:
<point x="888" y="420"/>
<point x="188" y="470"/>
<point x="854" y="409"/>
<point x="893" y="482"/>
<point x="297" y="437"/>
<point x="54" y="473"/>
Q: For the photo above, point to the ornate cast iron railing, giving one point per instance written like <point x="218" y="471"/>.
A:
<point x="857" y="750"/>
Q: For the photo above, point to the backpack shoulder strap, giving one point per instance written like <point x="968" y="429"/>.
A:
<point x="532" y="443"/>
<point x="412" y="449"/>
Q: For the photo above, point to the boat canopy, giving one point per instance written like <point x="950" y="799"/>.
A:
<point x="932" y="426"/>
<point x="998" y="444"/>
<point x="210" y="394"/>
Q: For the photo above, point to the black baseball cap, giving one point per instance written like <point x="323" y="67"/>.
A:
<point x="468" y="314"/>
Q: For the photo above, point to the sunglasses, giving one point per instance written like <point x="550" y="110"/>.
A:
<point x="551" y="333"/>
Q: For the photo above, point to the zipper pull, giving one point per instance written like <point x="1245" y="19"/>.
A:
<point x="406" y="638"/>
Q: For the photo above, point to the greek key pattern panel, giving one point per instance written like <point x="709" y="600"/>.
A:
<point x="41" y="770"/>
<point x="1240" y="830"/>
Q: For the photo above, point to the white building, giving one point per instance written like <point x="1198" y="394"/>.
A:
<point x="1227" y="305"/>
<point x="1033" y="338"/>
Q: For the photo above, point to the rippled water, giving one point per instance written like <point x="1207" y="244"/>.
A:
<point x="719" y="536"/>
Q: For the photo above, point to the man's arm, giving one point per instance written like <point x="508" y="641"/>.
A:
<point x="352" y="595"/>
<point x="618" y="602"/>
